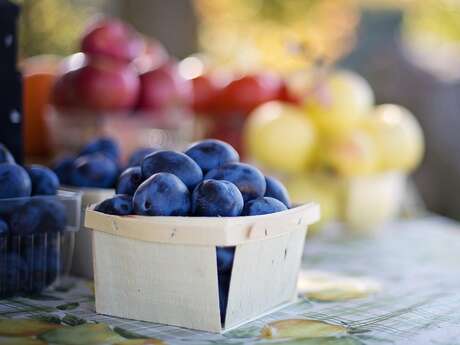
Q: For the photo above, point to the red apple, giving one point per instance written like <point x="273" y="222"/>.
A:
<point x="286" y="95"/>
<point x="153" y="55"/>
<point x="100" y="85"/>
<point x="63" y="94"/>
<point x="245" y="94"/>
<point x="206" y="89"/>
<point x="164" y="87"/>
<point x="111" y="38"/>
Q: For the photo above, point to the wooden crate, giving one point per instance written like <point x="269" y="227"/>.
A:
<point x="164" y="269"/>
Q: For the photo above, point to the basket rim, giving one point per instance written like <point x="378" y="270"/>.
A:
<point x="219" y="231"/>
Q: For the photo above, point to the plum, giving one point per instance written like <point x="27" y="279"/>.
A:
<point x="173" y="162"/>
<point x="214" y="198"/>
<point x="129" y="180"/>
<point x="16" y="271"/>
<point x="53" y="257"/>
<point x="94" y="170"/>
<point x="4" y="228"/>
<point x="162" y="194"/>
<point x="62" y="168"/>
<point x="225" y="257"/>
<point x="275" y="189"/>
<point x="260" y="206"/>
<point x="224" y="287"/>
<point x="38" y="215"/>
<point x="5" y="155"/>
<point x="44" y="180"/>
<point x="138" y="155"/>
<point x="14" y="181"/>
<point x="249" y="180"/>
<point x="106" y="146"/>
<point x="212" y="153"/>
<point x="119" y="204"/>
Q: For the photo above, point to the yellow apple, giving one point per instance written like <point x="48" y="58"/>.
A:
<point x="371" y="201"/>
<point x="350" y="153"/>
<point x="339" y="101"/>
<point x="322" y="189"/>
<point x="280" y="137"/>
<point x="398" y="137"/>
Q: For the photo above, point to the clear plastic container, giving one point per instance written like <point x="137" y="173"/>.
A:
<point x="39" y="247"/>
<point x="70" y="130"/>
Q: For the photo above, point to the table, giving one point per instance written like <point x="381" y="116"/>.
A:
<point x="404" y="290"/>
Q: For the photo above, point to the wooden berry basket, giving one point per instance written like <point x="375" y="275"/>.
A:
<point x="164" y="269"/>
<point x="82" y="264"/>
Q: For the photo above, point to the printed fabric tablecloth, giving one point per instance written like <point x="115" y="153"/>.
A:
<point x="400" y="287"/>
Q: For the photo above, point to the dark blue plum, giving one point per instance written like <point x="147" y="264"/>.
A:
<point x="4" y="228"/>
<point x="40" y="246"/>
<point x="214" y="198"/>
<point x="224" y="287"/>
<point x="260" y="206"/>
<point x="211" y="153"/>
<point x="106" y="146"/>
<point x="63" y="168"/>
<point x="225" y="257"/>
<point x="137" y="156"/>
<point x="44" y="180"/>
<point x="95" y="171"/>
<point x="38" y="215"/>
<point x="120" y="205"/>
<point x="14" y="181"/>
<point x="162" y="194"/>
<point x="249" y="180"/>
<point x="129" y="180"/>
<point x="26" y="220"/>
<point x="5" y="155"/>
<point x="53" y="258"/>
<point x="275" y="189"/>
<point x="7" y="207"/>
<point x="16" y="270"/>
<point x="176" y="163"/>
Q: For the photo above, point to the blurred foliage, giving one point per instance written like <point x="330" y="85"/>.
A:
<point x="276" y="34"/>
<point x="53" y="26"/>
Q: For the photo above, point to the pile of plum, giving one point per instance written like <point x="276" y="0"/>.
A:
<point x="96" y="165"/>
<point x="31" y="220"/>
<point x="207" y="180"/>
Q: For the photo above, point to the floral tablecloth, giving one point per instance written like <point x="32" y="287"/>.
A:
<point x="400" y="287"/>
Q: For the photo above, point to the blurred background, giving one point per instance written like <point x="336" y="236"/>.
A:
<point x="331" y="60"/>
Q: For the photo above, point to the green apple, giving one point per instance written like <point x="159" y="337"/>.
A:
<point x="280" y="137"/>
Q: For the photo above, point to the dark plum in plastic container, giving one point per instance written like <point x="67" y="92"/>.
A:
<point x="30" y="241"/>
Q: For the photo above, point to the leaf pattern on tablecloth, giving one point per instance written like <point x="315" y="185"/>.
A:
<point x="416" y="302"/>
<point x="301" y="328"/>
